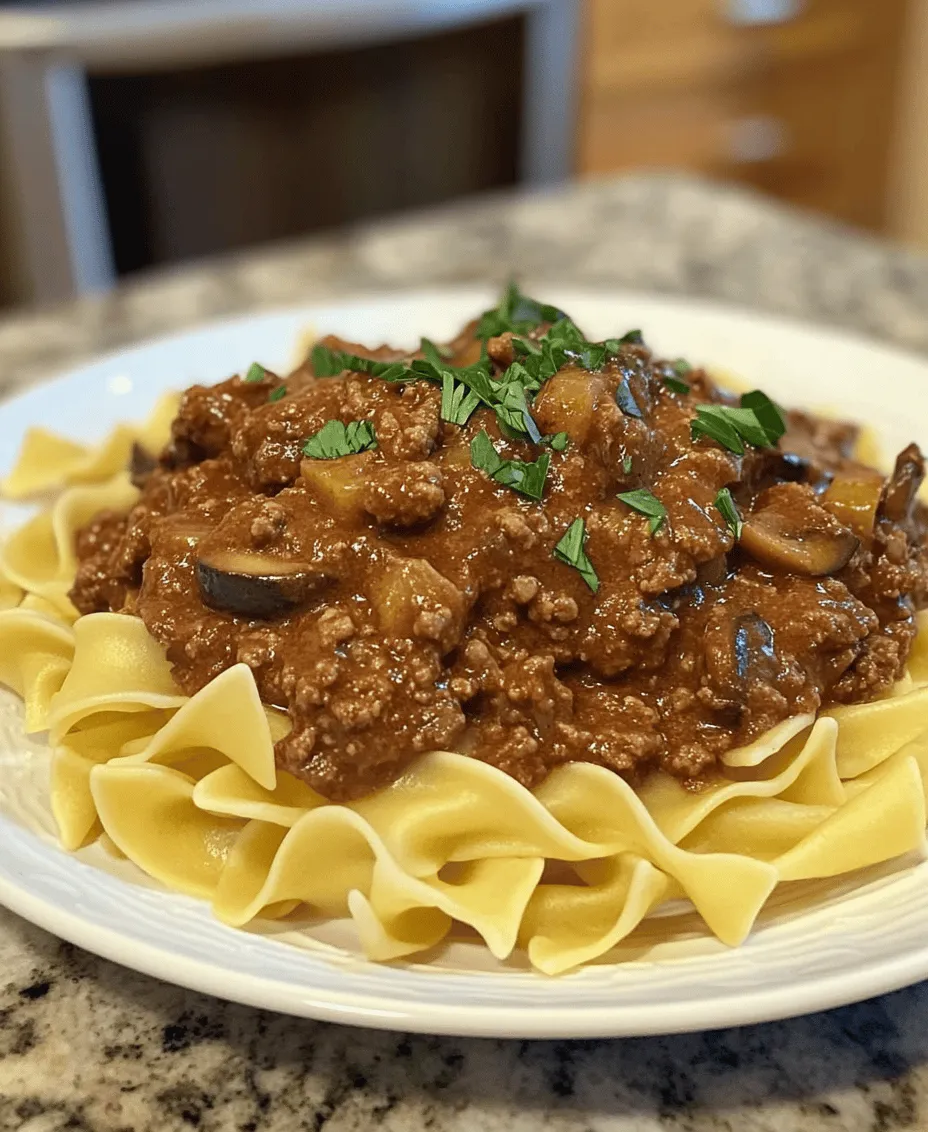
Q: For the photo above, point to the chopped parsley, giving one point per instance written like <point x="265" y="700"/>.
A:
<point x="515" y="312"/>
<point x="725" y="505"/>
<point x="681" y="367"/>
<point x="277" y="394"/>
<point x="675" y="385"/>
<point x="434" y="355"/>
<point x="758" y="421"/>
<point x="632" y="338"/>
<point x="336" y="439"/>
<point x="457" y="401"/>
<point x="527" y="478"/>
<point x="330" y="363"/>
<point x="569" y="550"/>
<point x="648" y="505"/>
<point x="558" y="442"/>
<point x="627" y="465"/>
<point x="256" y="372"/>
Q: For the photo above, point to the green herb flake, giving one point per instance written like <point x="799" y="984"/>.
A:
<point x="675" y="385"/>
<point x="569" y="550"/>
<point x="558" y="442"/>
<point x="457" y="402"/>
<point x="520" y="475"/>
<point x="435" y="355"/>
<point x="627" y="465"/>
<point x="757" y="421"/>
<point x="277" y="394"/>
<point x="336" y="439"/>
<point x="648" y="505"/>
<point x="725" y="506"/>
<point x="256" y="373"/>
<point x="681" y="367"/>
<point x="769" y="414"/>
<point x="515" y="312"/>
<point x="717" y="427"/>
<point x="632" y="338"/>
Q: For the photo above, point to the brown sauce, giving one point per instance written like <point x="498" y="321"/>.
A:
<point x="399" y="600"/>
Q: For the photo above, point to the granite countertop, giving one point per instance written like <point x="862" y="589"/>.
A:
<point x="88" y="1046"/>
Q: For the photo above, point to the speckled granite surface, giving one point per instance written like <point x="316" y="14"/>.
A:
<point x="85" y="1045"/>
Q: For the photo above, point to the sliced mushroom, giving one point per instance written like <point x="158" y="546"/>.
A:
<point x="902" y="487"/>
<point x="753" y="648"/>
<point x="789" y="531"/>
<point x="141" y="464"/>
<point x="256" y="585"/>
<point x="739" y="651"/>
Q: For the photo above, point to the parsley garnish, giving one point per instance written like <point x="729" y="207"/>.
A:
<point x="648" y="504"/>
<point x="632" y="338"/>
<point x="329" y="363"/>
<point x="457" y="402"/>
<point x="680" y="367"/>
<point x="256" y="372"/>
<point x="527" y="478"/>
<point x="277" y="394"/>
<point x="758" y="421"/>
<point x="433" y="354"/>
<point x="569" y="550"/>
<point x="725" y="505"/>
<point x="336" y="439"/>
<point x="517" y="313"/>
<point x="627" y="465"/>
<point x="558" y="442"/>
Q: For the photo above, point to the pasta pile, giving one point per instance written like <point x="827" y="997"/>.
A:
<point x="187" y="788"/>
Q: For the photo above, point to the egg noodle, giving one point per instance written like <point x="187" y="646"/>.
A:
<point x="187" y="788"/>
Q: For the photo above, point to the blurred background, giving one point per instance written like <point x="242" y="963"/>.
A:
<point x="143" y="133"/>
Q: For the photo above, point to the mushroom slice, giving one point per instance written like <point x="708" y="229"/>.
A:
<point x="255" y="585"/>
<point x="789" y="531"/>
<point x="141" y="464"/>
<point x="902" y="487"/>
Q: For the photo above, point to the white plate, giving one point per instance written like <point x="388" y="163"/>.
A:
<point x="819" y="946"/>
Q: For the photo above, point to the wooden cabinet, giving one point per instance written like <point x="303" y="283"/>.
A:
<point x="797" y="97"/>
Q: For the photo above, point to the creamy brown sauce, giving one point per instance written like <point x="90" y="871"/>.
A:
<point x="399" y="600"/>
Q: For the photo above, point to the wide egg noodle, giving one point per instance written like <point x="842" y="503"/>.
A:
<point x="40" y="557"/>
<point x="869" y="733"/>
<point x="273" y="864"/>
<point x="98" y="741"/>
<point x="227" y="715"/>
<point x="230" y="791"/>
<point x="118" y="666"/>
<point x="884" y="821"/>
<point x="148" y="812"/>
<point x="566" y="925"/>
<point x="727" y="889"/>
<point x="917" y="665"/>
<point x="48" y="461"/>
<point x="753" y="754"/>
<point x="36" y="653"/>
<point x="807" y="773"/>
<point x="10" y="593"/>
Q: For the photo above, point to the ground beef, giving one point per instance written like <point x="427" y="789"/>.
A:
<point x="401" y="599"/>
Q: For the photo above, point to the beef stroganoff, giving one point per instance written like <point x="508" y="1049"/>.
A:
<point x="519" y="631"/>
